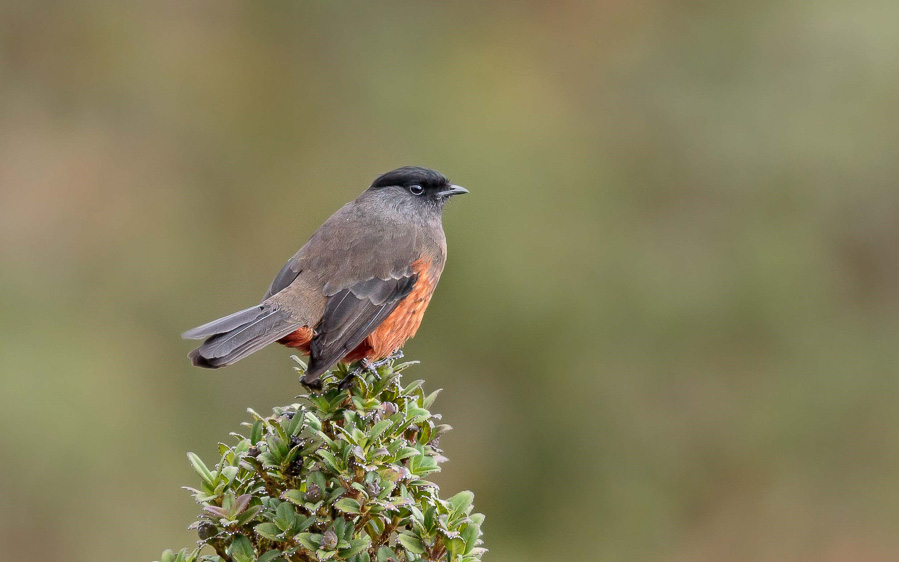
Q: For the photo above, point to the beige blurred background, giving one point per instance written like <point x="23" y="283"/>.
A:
<point x="668" y="326"/>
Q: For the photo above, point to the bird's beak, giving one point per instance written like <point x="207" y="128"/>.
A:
<point x="452" y="190"/>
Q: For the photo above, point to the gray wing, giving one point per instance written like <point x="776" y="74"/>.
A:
<point x="285" y="277"/>
<point x="351" y="315"/>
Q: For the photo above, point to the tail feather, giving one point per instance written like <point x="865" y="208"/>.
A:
<point x="227" y="323"/>
<point x="234" y="337"/>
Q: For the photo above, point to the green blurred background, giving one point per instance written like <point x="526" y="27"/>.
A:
<point x="668" y="326"/>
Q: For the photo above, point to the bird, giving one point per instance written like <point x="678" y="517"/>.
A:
<point x="358" y="288"/>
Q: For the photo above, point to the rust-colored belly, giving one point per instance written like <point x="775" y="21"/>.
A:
<point x="402" y="323"/>
<point x="393" y="332"/>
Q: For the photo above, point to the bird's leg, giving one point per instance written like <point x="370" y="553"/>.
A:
<point x="373" y="367"/>
<point x="370" y="366"/>
<point x="314" y="385"/>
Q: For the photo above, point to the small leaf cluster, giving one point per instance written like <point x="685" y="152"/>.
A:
<point x="341" y="476"/>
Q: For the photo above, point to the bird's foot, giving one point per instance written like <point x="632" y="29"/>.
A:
<point x="374" y="366"/>
<point x="314" y="385"/>
<point x="369" y="366"/>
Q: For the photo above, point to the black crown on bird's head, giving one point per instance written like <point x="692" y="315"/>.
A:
<point x="411" y="175"/>
<point x="419" y="181"/>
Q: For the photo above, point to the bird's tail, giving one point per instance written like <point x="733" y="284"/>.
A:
<point x="233" y="337"/>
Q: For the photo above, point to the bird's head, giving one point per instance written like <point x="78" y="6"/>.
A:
<point x="417" y="187"/>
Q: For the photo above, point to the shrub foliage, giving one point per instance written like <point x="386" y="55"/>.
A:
<point x="340" y="476"/>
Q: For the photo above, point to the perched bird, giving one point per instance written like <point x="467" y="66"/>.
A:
<point x="356" y="290"/>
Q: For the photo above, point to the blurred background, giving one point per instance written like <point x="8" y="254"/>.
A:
<point x="668" y="326"/>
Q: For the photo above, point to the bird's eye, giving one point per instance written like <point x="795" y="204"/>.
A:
<point x="416" y="189"/>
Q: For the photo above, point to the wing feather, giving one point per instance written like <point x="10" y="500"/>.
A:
<point x="285" y="277"/>
<point x="351" y="315"/>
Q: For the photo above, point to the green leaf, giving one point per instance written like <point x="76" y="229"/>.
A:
<point x="313" y="422"/>
<point x="186" y="556"/>
<point x="470" y="537"/>
<point x="296" y="423"/>
<point x="356" y="546"/>
<point x="284" y="516"/>
<point x="385" y="554"/>
<point x="300" y="524"/>
<point x="455" y="547"/>
<point x="429" y="400"/>
<point x="349" y="505"/>
<point x="293" y="496"/>
<point x="411" y="542"/>
<point x="339" y="491"/>
<point x="201" y="469"/>
<point x="277" y="448"/>
<point x="248" y="515"/>
<point x="342" y="528"/>
<point x="413" y="386"/>
<point x="256" y="432"/>
<point x="229" y="472"/>
<point x="317" y="478"/>
<point x="310" y="540"/>
<point x="386" y="489"/>
<point x="301" y="364"/>
<point x="358" y="435"/>
<point x="269" y="531"/>
<point x="403" y="366"/>
<point x="167" y="556"/>
<point x="269" y="556"/>
<point x="330" y="461"/>
<point x="461" y="502"/>
<point x="407" y="452"/>
<point x="242" y="549"/>
<point x="424" y="436"/>
<point x="382" y="384"/>
<point x="242" y="446"/>
<point x="378" y="429"/>
<point x="430" y="518"/>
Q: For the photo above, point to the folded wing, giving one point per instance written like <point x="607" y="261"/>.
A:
<point x="351" y="315"/>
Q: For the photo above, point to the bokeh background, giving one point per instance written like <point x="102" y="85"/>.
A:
<point x="669" y="325"/>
